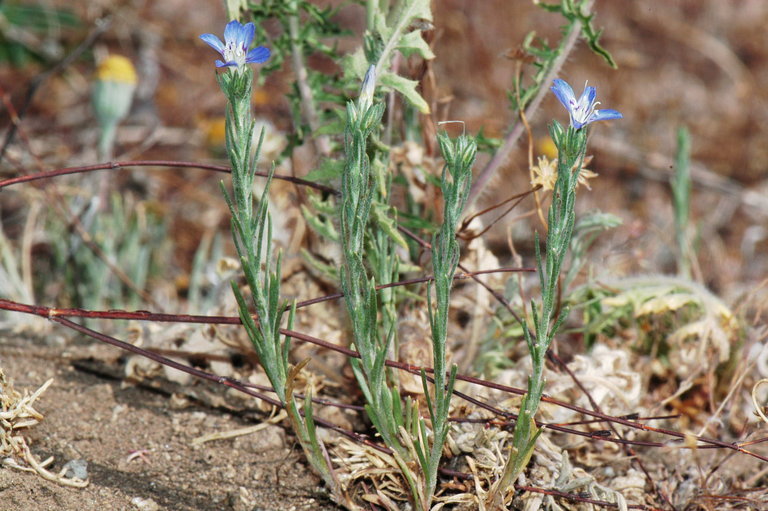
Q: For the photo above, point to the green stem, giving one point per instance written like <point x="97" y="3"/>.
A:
<point x="571" y="145"/>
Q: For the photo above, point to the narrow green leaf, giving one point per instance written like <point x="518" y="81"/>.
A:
<point x="387" y="223"/>
<point x="323" y="226"/>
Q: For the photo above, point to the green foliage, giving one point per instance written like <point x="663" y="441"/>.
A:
<point x="392" y="29"/>
<point x="681" y="200"/>
<point x="129" y="236"/>
<point x="384" y="216"/>
<point x="543" y="57"/>
<point x="21" y="27"/>
<point x="501" y="337"/>
<point x="546" y="320"/>
<point x="574" y="10"/>
<point x="366" y="222"/>
<point x="407" y="88"/>
<point x="486" y="144"/>
<point x="328" y="171"/>
<point x="359" y="292"/>
<point x="316" y="29"/>
<point x="459" y="156"/>
<point x="305" y="30"/>
<point x="665" y="315"/>
<point x="368" y="226"/>
<point x="367" y="240"/>
<point x="252" y="235"/>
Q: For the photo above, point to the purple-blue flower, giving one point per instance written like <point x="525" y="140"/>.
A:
<point x="582" y="110"/>
<point x="234" y="49"/>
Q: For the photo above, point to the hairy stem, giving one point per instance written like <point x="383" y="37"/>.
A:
<point x="517" y="130"/>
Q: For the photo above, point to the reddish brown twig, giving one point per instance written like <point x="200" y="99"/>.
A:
<point x="113" y="165"/>
<point x="61" y="314"/>
<point x="627" y="448"/>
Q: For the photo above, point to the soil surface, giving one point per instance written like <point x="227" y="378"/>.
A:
<point x="137" y="441"/>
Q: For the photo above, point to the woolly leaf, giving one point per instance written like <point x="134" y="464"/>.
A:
<point x="407" y="88"/>
<point x="387" y="223"/>
<point x="413" y="43"/>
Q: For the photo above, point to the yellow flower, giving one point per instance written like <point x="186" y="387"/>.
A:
<point x="546" y="146"/>
<point x="116" y="68"/>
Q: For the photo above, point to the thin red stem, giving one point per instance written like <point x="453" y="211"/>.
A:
<point x="113" y="165"/>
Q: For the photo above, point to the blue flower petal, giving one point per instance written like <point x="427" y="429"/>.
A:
<point x="257" y="55"/>
<point x="234" y="48"/>
<point x="246" y="35"/>
<point x="605" y="115"/>
<point x="564" y="93"/>
<point x="214" y="42"/>
<point x="232" y="31"/>
<point x="588" y="96"/>
<point x="581" y="111"/>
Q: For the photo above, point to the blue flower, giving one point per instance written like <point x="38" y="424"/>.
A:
<point x="234" y="49"/>
<point x="582" y="111"/>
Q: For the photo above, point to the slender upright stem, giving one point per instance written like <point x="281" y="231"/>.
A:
<point x="510" y="140"/>
<point x="571" y="145"/>
<point x="321" y="142"/>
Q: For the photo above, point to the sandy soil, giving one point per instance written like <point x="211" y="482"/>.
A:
<point x="137" y="442"/>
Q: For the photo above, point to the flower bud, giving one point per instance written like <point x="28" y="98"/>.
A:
<point x="367" y="89"/>
<point x="113" y="89"/>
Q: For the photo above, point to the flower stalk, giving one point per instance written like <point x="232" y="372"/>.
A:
<point x="252" y="235"/>
<point x="456" y="179"/>
<point x="396" y="421"/>
<point x="112" y="96"/>
<point x="571" y="144"/>
<point x="359" y="290"/>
